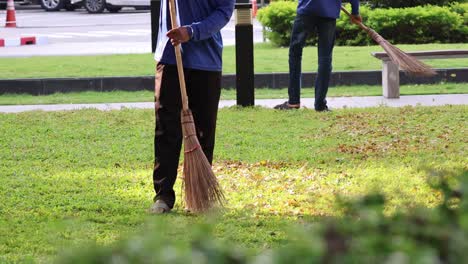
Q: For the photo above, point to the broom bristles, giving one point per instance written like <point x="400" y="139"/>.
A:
<point x="406" y="62"/>
<point x="202" y="190"/>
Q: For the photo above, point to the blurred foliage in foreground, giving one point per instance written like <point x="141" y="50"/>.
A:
<point x="363" y="235"/>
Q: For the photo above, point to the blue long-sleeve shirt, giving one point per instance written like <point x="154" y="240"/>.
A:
<point x="207" y="18"/>
<point x="324" y="8"/>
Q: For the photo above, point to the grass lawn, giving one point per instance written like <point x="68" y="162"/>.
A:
<point x="267" y="59"/>
<point x="227" y="94"/>
<point x="85" y="176"/>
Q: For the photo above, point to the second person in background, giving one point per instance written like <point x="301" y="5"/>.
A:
<point x="314" y="16"/>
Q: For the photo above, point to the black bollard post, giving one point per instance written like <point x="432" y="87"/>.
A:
<point x="244" y="54"/>
<point x="155" y="10"/>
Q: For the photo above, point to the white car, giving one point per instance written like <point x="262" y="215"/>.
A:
<point x="56" y="5"/>
<point x="113" y="6"/>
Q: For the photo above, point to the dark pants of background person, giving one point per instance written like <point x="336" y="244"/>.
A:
<point x="303" y="26"/>
<point x="203" y="91"/>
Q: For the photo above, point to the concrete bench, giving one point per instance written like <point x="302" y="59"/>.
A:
<point x="391" y="74"/>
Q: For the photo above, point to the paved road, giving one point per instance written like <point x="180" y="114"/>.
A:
<point x="80" y="33"/>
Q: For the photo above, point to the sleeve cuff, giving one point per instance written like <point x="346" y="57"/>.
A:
<point x="195" y="31"/>
<point x="189" y="31"/>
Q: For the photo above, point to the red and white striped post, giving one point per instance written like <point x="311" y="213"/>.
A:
<point x="10" y="14"/>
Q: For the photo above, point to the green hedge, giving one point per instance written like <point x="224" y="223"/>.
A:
<point x="462" y="10"/>
<point x="278" y="18"/>
<point x="410" y="3"/>
<point x="363" y="235"/>
<point x="416" y="25"/>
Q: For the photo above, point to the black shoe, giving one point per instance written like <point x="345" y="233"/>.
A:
<point x="324" y="109"/>
<point x="287" y="106"/>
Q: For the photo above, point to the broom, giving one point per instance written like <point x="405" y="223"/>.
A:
<point x="406" y="62"/>
<point x="202" y="190"/>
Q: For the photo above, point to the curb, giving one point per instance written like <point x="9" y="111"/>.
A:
<point x="44" y="86"/>
<point x="22" y="41"/>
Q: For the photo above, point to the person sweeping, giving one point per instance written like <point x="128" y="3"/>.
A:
<point x="314" y="16"/>
<point x="201" y="45"/>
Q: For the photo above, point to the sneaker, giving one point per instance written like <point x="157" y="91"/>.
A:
<point x="159" y="207"/>
<point x="287" y="106"/>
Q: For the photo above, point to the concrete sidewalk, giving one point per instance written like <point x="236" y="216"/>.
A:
<point x="333" y="102"/>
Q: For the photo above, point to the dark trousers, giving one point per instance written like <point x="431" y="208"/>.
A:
<point x="303" y="26"/>
<point x="203" y="91"/>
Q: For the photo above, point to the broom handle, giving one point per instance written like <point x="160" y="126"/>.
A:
<point x="178" y="54"/>
<point x="360" y="24"/>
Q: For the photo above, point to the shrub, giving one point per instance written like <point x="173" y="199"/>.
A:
<point x="462" y="10"/>
<point x="409" y="3"/>
<point x="416" y="25"/>
<point x="459" y="8"/>
<point x="278" y="18"/>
